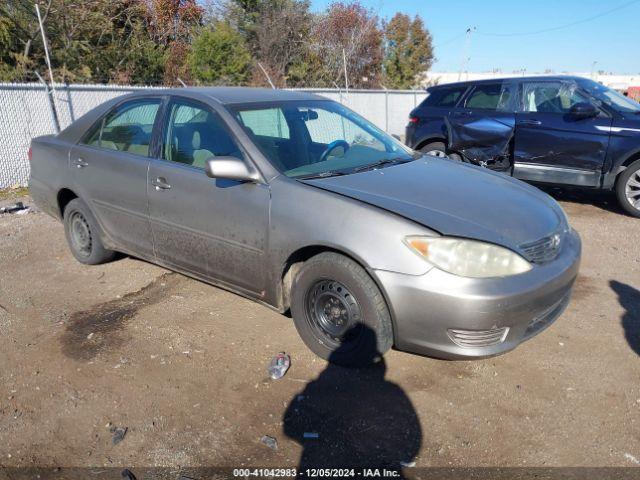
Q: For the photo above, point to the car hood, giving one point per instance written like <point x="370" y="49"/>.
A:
<point x="455" y="199"/>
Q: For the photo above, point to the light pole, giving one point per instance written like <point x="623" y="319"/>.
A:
<point x="464" y="64"/>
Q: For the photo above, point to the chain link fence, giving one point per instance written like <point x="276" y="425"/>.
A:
<point x="26" y="112"/>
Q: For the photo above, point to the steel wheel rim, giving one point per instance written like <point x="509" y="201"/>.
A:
<point x="80" y="234"/>
<point x="333" y="312"/>
<point x="437" y="153"/>
<point x="632" y="189"/>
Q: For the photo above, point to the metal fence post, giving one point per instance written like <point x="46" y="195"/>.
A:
<point x="70" y="103"/>
<point x="386" y="110"/>
<point x="52" y="104"/>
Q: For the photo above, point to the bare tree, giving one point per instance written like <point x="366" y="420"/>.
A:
<point x="347" y="34"/>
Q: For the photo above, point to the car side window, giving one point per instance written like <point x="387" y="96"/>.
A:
<point x="127" y="128"/>
<point x="267" y="122"/>
<point x="494" y="96"/>
<point x="195" y="134"/>
<point x="550" y="97"/>
<point x="444" y="97"/>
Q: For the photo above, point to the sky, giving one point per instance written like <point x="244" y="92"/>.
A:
<point x="611" y="40"/>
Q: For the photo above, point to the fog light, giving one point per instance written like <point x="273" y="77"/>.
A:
<point x="478" y="338"/>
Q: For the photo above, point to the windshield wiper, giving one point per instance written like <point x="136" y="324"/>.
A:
<point x="386" y="161"/>
<point x="328" y="173"/>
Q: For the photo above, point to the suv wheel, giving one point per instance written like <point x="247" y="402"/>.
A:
<point x="436" y="149"/>
<point x="339" y="311"/>
<point x="83" y="234"/>
<point x="439" y="149"/>
<point x="628" y="189"/>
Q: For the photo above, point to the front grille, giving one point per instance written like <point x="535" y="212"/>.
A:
<point x="478" y="338"/>
<point x="543" y="250"/>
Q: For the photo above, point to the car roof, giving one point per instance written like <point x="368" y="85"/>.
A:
<point x="533" y="78"/>
<point x="237" y="95"/>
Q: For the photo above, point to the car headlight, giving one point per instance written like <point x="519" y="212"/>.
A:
<point x="468" y="258"/>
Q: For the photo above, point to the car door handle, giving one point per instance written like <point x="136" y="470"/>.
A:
<point x="80" y="163"/>
<point x="161" y="184"/>
<point x="529" y="122"/>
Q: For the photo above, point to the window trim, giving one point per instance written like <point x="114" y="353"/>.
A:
<point x="100" y="121"/>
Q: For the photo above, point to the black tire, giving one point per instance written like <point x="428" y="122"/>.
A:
<point x="83" y="234"/>
<point x="331" y="289"/>
<point x="441" y="147"/>
<point x="434" y="147"/>
<point x="632" y="170"/>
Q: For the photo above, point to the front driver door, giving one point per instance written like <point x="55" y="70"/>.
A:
<point x="213" y="228"/>
<point x="551" y="144"/>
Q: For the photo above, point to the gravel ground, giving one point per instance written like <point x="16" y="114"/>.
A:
<point x="181" y="366"/>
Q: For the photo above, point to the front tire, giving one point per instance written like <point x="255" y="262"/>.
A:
<point x="628" y="189"/>
<point x="83" y="234"/>
<point x="339" y="311"/>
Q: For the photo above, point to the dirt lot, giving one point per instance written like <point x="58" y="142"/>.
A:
<point x="182" y="365"/>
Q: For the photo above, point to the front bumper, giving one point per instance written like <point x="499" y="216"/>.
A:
<point x="430" y="309"/>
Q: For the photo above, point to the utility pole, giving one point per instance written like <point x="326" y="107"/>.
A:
<point x="464" y="64"/>
<point x="46" y="47"/>
<point x="50" y="91"/>
<point x="266" y="75"/>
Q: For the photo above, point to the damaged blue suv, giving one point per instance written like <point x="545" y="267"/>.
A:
<point x="557" y="130"/>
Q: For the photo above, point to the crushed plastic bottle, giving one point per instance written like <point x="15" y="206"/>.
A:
<point x="270" y="442"/>
<point x="279" y="366"/>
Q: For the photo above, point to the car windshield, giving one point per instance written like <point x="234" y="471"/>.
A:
<point x="305" y="139"/>
<point x="612" y="98"/>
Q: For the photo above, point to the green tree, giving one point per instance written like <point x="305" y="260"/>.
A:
<point x="408" y="51"/>
<point x="219" y="56"/>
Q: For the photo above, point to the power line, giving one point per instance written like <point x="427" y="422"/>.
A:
<point x="451" y="40"/>
<point x="561" y="27"/>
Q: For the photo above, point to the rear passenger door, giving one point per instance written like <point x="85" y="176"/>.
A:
<point x="109" y="166"/>
<point x="482" y="127"/>
<point x="213" y="228"/>
<point x="554" y="146"/>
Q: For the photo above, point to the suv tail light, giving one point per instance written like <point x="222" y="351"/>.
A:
<point x="413" y="120"/>
<point x="29" y="153"/>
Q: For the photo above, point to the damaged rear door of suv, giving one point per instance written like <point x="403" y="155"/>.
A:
<point x="482" y="127"/>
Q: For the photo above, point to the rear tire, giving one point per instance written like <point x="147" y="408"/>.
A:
<point x="339" y="311"/>
<point x="628" y="189"/>
<point x="83" y="234"/>
<point x="439" y="149"/>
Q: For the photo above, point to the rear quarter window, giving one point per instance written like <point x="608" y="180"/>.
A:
<point x="444" y="97"/>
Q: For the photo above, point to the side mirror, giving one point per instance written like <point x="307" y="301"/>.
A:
<point x="583" y="110"/>
<point x="396" y="136"/>
<point x="230" y="168"/>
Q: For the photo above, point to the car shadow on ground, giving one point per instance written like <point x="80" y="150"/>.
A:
<point x="629" y="299"/>
<point x="602" y="199"/>
<point x="353" y="418"/>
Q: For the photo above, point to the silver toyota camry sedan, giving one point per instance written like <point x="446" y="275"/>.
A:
<point x="299" y="203"/>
